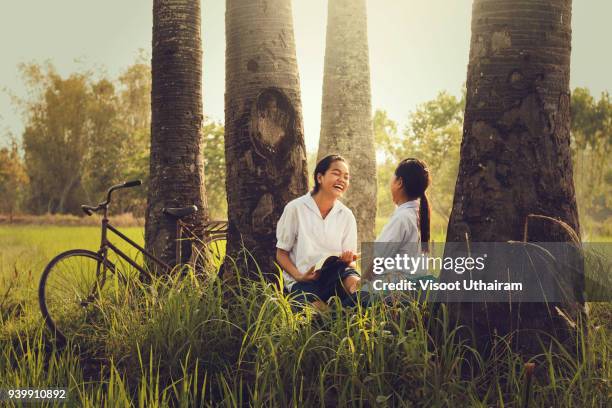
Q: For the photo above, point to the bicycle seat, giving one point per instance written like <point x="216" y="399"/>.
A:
<point x="180" y="212"/>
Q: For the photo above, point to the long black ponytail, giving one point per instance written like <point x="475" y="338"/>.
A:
<point x="415" y="180"/>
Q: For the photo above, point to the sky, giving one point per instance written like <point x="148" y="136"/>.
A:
<point x="417" y="48"/>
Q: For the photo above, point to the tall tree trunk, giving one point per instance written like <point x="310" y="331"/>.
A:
<point x="346" y="115"/>
<point x="176" y="164"/>
<point x="515" y="153"/>
<point x="264" y="138"/>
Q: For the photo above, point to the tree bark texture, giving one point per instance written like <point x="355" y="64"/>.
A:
<point x="176" y="163"/>
<point x="264" y="138"/>
<point x="346" y="116"/>
<point x="515" y="153"/>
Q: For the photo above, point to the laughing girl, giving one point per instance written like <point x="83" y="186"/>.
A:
<point x="315" y="225"/>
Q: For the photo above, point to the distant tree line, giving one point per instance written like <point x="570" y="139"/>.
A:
<point x="86" y="132"/>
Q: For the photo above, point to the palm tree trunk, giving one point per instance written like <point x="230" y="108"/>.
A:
<point x="515" y="153"/>
<point x="264" y="138"/>
<point x="346" y="115"/>
<point x="176" y="163"/>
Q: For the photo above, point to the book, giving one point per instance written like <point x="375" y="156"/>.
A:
<point x="330" y="259"/>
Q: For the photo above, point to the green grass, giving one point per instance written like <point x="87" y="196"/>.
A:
<point x="185" y="342"/>
<point x="36" y="245"/>
<point x="24" y="253"/>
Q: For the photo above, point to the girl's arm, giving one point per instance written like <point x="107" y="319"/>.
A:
<point x="288" y="266"/>
<point x="349" y="243"/>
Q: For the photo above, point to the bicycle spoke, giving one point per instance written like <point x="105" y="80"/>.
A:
<point x="75" y="291"/>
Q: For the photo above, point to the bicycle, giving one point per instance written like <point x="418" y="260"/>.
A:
<point x="76" y="283"/>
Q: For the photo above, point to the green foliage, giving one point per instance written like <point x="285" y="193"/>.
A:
<point x="387" y="143"/>
<point x="214" y="169"/>
<point x="134" y="97"/>
<point x="83" y="135"/>
<point x="433" y="134"/>
<point x="13" y="180"/>
<point x="591" y="148"/>
<point x="55" y="139"/>
<point x="385" y="134"/>
<point x="105" y="143"/>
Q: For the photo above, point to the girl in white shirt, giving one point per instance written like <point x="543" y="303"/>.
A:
<point x="314" y="226"/>
<point x="408" y="190"/>
<point x="408" y="230"/>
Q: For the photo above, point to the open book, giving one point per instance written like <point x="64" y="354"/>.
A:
<point x="330" y="259"/>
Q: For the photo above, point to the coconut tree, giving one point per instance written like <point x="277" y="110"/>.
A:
<point x="515" y="176"/>
<point x="176" y="163"/>
<point x="346" y="116"/>
<point x="264" y="140"/>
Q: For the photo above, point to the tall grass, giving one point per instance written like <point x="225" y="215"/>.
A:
<point x="184" y="341"/>
<point x="176" y="342"/>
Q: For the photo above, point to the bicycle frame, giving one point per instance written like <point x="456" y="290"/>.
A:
<point x="105" y="245"/>
<point x="216" y="229"/>
<point x="213" y="230"/>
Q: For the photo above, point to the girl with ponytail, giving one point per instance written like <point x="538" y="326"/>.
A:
<point x="408" y="188"/>
<point x="408" y="230"/>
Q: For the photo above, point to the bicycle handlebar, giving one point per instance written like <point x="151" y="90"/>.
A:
<point x="133" y="183"/>
<point x="89" y="210"/>
<point x="127" y="184"/>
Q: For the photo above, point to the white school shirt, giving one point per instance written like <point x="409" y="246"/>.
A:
<point x="403" y="226"/>
<point x="303" y="232"/>
<point x="401" y="236"/>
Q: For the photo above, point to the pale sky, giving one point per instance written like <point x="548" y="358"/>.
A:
<point x="417" y="48"/>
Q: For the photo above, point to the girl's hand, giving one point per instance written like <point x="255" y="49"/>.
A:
<point x="348" y="256"/>
<point x="310" y="275"/>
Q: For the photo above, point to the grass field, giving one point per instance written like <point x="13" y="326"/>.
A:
<point x="181" y="343"/>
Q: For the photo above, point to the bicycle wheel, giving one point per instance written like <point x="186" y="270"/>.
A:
<point x="73" y="290"/>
